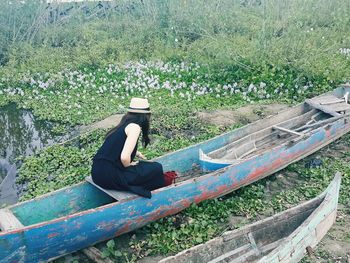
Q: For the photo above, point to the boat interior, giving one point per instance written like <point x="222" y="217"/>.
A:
<point x="319" y="112"/>
<point x="256" y="143"/>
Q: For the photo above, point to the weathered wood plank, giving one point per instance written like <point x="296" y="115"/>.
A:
<point x="326" y="99"/>
<point x="8" y="221"/>
<point x="341" y="107"/>
<point x="324" y="108"/>
<point x="325" y="224"/>
<point x="332" y="102"/>
<point x="118" y="195"/>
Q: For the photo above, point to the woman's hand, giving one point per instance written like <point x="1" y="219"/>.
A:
<point x="134" y="163"/>
<point x="140" y="155"/>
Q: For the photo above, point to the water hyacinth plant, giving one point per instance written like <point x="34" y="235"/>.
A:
<point x="89" y="95"/>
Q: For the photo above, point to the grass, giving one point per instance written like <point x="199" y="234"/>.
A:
<point x="245" y="34"/>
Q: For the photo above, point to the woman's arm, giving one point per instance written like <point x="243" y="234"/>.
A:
<point x="132" y="135"/>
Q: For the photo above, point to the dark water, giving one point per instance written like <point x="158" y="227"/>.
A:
<point x="21" y="134"/>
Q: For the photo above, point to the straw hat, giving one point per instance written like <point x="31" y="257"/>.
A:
<point x="139" y="105"/>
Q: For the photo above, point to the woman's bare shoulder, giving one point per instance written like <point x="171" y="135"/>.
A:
<point x="132" y="128"/>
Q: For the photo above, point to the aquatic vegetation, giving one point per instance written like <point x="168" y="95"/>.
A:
<point x="85" y="95"/>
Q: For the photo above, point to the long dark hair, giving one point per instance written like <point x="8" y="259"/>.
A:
<point x="142" y="119"/>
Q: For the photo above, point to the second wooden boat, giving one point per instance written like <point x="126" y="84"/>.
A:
<point x="284" y="237"/>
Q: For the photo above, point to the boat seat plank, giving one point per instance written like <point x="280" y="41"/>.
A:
<point x="8" y="221"/>
<point x="327" y="99"/>
<point x="325" y="103"/>
<point x="341" y="106"/>
<point x="332" y="102"/>
<point x="118" y="195"/>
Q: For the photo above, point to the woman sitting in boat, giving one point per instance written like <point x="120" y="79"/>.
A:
<point x="114" y="166"/>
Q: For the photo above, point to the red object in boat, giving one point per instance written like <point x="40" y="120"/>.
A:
<point x="169" y="177"/>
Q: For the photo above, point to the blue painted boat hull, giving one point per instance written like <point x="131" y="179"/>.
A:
<point x="100" y="218"/>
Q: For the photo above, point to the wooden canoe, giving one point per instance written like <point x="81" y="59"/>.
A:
<point x="82" y="215"/>
<point x="283" y="237"/>
<point x="324" y="110"/>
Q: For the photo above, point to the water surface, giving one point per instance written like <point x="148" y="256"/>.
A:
<point x="21" y="134"/>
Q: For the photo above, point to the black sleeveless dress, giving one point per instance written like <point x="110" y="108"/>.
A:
<point x="109" y="173"/>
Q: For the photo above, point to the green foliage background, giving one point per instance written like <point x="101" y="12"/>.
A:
<point x="305" y="36"/>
